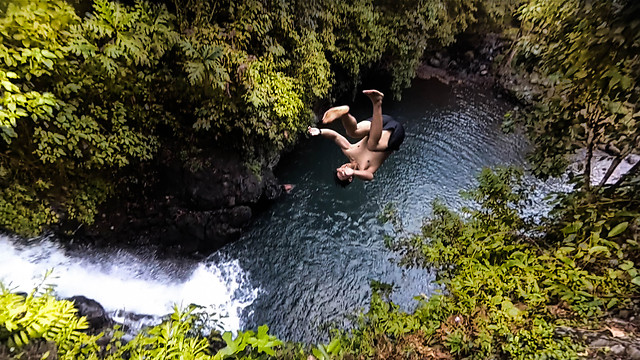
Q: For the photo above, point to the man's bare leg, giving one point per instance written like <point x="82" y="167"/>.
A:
<point x="348" y="121"/>
<point x="375" y="133"/>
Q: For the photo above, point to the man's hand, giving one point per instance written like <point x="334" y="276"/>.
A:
<point x="331" y="135"/>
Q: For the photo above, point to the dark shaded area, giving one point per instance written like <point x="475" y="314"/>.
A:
<point x="182" y="206"/>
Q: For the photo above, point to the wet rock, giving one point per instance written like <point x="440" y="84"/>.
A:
<point x="193" y="225"/>
<point x="624" y="314"/>
<point x="426" y="72"/>
<point x="187" y="207"/>
<point x="97" y="317"/>
<point x="599" y="343"/>
<point x="617" y="349"/>
<point x="564" y="331"/>
<point x="469" y="55"/>
<point x="633" y="353"/>
<point x="239" y="216"/>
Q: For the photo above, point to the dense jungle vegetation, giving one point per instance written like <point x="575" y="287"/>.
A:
<point x="85" y="96"/>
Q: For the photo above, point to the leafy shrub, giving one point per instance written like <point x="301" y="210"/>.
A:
<point x="583" y="58"/>
<point x="76" y="105"/>
<point x="38" y="315"/>
<point x="508" y="285"/>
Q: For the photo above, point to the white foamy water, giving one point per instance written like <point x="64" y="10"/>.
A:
<point x="124" y="282"/>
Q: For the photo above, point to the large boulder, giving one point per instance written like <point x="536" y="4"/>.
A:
<point x="97" y="317"/>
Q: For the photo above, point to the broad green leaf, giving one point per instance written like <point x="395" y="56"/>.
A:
<point x="334" y="346"/>
<point x="618" y="229"/>
<point x="626" y="265"/>
<point x="48" y="54"/>
<point x="572" y="227"/>
<point x="598" y="249"/>
<point x="318" y="354"/>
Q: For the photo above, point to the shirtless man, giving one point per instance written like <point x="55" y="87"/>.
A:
<point x="380" y="136"/>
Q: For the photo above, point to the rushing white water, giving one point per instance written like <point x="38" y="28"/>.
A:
<point x="128" y="283"/>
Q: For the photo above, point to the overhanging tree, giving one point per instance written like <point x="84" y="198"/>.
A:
<point x="588" y="52"/>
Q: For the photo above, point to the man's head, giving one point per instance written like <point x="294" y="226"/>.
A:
<point x="344" y="175"/>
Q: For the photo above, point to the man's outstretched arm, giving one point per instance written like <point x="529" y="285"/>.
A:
<point x="330" y="134"/>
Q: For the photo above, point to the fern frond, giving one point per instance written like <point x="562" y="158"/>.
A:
<point x="39" y="316"/>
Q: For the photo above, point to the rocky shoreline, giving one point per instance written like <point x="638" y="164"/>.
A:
<point x="470" y="61"/>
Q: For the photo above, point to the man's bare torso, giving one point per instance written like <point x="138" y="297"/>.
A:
<point x="364" y="158"/>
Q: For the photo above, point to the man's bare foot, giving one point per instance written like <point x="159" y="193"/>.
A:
<point x="334" y="113"/>
<point x="374" y="95"/>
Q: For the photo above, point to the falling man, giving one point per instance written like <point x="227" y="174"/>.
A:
<point x="379" y="136"/>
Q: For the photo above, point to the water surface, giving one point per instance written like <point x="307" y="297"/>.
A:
<point x="313" y="254"/>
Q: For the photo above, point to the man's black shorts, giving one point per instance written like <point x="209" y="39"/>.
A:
<point x="397" y="132"/>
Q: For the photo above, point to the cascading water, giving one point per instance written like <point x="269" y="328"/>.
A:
<point x="127" y="283"/>
<point x="306" y="262"/>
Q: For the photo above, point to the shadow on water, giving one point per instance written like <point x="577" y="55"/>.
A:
<point x="313" y="254"/>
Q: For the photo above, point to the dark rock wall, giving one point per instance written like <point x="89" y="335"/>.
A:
<point x="191" y="207"/>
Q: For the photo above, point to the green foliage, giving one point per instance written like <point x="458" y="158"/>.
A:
<point x="508" y="284"/>
<point x="76" y="106"/>
<point x="253" y="75"/>
<point x="248" y="344"/>
<point x="417" y="26"/>
<point x="38" y="315"/>
<point x="169" y="340"/>
<point x="598" y="233"/>
<point x="583" y="56"/>
<point x="41" y="316"/>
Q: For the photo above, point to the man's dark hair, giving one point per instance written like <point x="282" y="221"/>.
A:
<point x="343" y="183"/>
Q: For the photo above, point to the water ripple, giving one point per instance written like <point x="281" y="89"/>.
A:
<point x="315" y="252"/>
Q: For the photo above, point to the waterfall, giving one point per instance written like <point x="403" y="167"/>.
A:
<point x="125" y="282"/>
